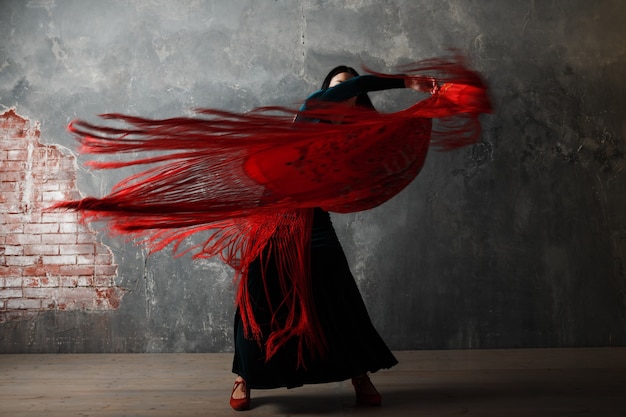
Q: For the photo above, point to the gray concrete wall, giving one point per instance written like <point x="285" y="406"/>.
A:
<point x="519" y="241"/>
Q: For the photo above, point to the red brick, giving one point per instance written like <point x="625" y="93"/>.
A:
<point x="56" y="196"/>
<point x="69" y="186"/>
<point x="15" y="207"/>
<point x="109" y="297"/>
<point x="9" y="139"/>
<point x="77" y="249"/>
<point x="103" y="281"/>
<point x="69" y="165"/>
<point x="41" y="270"/>
<point x="65" y="281"/>
<point x="30" y="282"/>
<point x="81" y="297"/>
<point x="56" y="174"/>
<point x="23" y="304"/>
<point x="11" y="282"/>
<point x="36" y="292"/>
<point x="41" y="228"/>
<point x="59" y="260"/>
<point x="85" y="227"/>
<point x="41" y="249"/>
<point x="10" y="315"/>
<point x="85" y="281"/>
<point x="10" y="293"/>
<point x="17" y="155"/>
<point x="49" y="281"/>
<point x="10" y="117"/>
<point x="10" y="196"/>
<point x="106" y="270"/>
<point x="13" y="166"/>
<point x="22" y="218"/>
<point x="39" y="205"/>
<point x="13" y="228"/>
<point x="59" y="217"/>
<point x="68" y="228"/>
<point x="77" y="270"/>
<point x="47" y="154"/>
<point x="49" y="186"/>
<point x="23" y="239"/>
<point x="9" y="272"/>
<point x="103" y="250"/>
<point x="17" y="133"/>
<point x="60" y="238"/>
<point x="84" y="259"/>
<point x="9" y="185"/>
<point x="71" y="194"/>
<point x="12" y="250"/>
<point x="21" y="260"/>
<point x="34" y="271"/>
<point x="103" y="259"/>
<point x="85" y="237"/>
<point x="13" y="176"/>
<point x="12" y="120"/>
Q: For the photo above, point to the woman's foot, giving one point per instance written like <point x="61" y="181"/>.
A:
<point x="366" y="393"/>
<point x="240" y="397"/>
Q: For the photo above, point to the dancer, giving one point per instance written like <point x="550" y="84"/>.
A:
<point x="352" y="346"/>
<point x="261" y="186"/>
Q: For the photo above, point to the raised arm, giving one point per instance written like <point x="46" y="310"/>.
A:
<point x="368" y="83"/>
<point x="358" y="85"/>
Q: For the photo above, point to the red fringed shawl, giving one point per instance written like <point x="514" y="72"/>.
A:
<point x="251" y="180"/>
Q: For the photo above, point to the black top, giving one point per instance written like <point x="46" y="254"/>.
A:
<point x="356" y="86"/>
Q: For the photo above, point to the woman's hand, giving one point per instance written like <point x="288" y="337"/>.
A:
<point x="422" y="84"/>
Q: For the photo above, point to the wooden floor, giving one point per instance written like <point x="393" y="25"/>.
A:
<point x="503" y="383"/>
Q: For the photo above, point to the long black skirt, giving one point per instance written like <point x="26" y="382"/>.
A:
<point x="354" y="345"/>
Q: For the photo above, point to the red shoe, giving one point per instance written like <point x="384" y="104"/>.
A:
<point x="366" y="393"/>
<point x="240" y="404"/>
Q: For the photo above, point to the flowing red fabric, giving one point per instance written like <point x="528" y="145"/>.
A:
<point x="250" y="181"/>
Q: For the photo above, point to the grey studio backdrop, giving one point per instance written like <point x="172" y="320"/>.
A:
<point x="516" y="242"/>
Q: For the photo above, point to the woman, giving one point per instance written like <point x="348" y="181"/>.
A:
<point x="353" y="347"/>
<point x="261" y="186"/>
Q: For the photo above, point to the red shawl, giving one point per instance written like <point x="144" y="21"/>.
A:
<point x="251" y="180"/>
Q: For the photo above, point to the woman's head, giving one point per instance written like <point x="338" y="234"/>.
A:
<point x="343" y="73"/>
<point x="337" y="71"/>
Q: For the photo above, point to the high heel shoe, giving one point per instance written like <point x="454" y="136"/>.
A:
<point x="240" y="404"/>
<point x="366" y="394"/>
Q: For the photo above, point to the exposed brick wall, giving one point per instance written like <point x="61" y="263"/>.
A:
<point x="48" y="260"/>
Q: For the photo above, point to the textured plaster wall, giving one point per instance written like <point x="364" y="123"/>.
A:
<point x="519" y="241"/>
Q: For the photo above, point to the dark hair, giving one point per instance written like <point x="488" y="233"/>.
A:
<point x="362" y="100"/>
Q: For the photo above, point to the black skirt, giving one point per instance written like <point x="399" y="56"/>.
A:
<point x="354" y="345"/>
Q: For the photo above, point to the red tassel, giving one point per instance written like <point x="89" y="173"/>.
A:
<point x="251" y="180"/>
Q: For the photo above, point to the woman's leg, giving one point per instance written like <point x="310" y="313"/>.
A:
<point x="240" y="397"/>
<point x="366" y="393"/>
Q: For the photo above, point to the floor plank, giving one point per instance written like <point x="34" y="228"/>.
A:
<point x="505" y="383"/>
